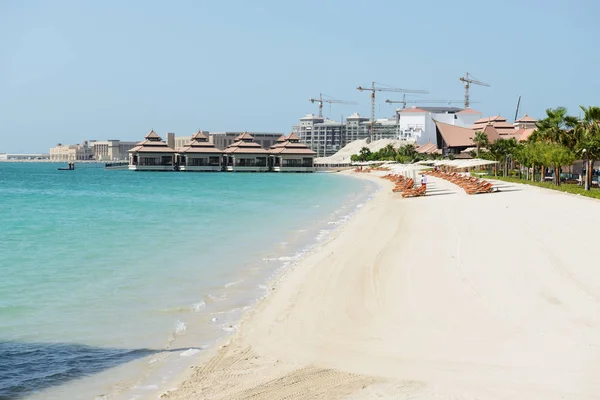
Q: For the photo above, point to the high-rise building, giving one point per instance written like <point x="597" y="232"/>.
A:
<point x="326" y="137"/>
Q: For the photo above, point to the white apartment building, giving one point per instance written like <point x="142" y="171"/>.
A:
<point x="326" y="137"/>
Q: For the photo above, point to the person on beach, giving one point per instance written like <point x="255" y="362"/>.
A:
<point x="424" y="181"/>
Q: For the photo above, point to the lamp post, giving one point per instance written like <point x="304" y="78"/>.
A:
<point x="586" y="184"/>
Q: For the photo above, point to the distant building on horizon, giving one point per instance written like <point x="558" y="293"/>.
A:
<point x="222" y="140"/>
<point x="24" y="157"/>
<point x="111" y="150"/>
<point x="71" y="152"/>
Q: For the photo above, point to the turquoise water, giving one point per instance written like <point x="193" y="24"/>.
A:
<point x="100" y="268"/>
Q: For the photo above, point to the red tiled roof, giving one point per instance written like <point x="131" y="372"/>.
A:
<point x="497" y="118"/>
<point x="287" y="150"/>
<point x="524" y="134"/>
<point x="152" y="135"/>
<point x="413" y="109"/>
<point x="152" y="144"/>
<point x="455" y="136"/>
<point x="245" y="136"/>
<point x="492" y="133"/>
<point x="427" y="148"/>
<point x="244" y="144"/>
<point x="526" y="118"/>
<point x="199" y="136"/>
<point x="469" y="111"/>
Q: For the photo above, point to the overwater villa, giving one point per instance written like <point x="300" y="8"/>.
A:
<point x="199" y="155"/>
<point x="289" y="155"/>
<point x="245" y="155"/>
<point x="152" y="154"/>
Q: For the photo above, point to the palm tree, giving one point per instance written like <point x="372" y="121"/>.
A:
<point x="557" y="127"/>
<point x="587" y="132"/>
<point x="364" y="153"/>
<point x="480" y="140"/>
<point x="501" y="149"/>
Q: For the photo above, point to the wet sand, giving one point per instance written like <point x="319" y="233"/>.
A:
<point x="449" y="296"/>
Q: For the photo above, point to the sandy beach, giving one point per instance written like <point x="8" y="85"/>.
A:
<point x="449" y="296"/>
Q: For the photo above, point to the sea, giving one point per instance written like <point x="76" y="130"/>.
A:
<point x="113" y="281"/>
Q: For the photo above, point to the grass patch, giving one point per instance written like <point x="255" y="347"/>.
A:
<point x="564" y="187"/>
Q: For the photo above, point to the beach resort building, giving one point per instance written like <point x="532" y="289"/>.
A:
<point x="289" y="155"/>
<point x="453" y="139"/>
<point x="152" y="154"/>
<point x="497" y="127"/>
<point x="73" y="152"/>
<point x="245" y="155"/>
<point x="111" y="150"/>
<point x="199" y="154"/>
<point x="223" y="139"/>
<point x="418" y="123"/>
<point x="326" y="137"/>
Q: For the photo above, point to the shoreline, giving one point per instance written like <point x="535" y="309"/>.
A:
<point x="409" y="299"/>
<point x="279" y="277"/>
<point x="148" y="377"/>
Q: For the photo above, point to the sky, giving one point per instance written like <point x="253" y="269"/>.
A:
<point x="72" y="70"/>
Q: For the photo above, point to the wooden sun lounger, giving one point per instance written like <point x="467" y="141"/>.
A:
<point x="420" y="191"/>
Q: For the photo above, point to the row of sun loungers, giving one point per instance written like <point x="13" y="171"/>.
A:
<point x="471" y="185"/>
<point x="405" y="185"/>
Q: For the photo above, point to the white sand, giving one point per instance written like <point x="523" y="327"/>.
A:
<point x="450" y="296"/>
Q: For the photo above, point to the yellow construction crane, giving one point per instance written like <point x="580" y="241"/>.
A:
<point x="404" y="102"/>
<point x="384" y="88"/>
<point x="468" y="80"/>
<point x="321" y="100"/>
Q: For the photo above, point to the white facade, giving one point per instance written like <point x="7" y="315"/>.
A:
<point x="73" y="152"/>
<point x="111" y="150"/>
<point x="417" y="124"/>
<point x="16" y="157"/>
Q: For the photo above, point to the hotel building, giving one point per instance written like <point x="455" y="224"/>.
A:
<point x="73" y="152"/>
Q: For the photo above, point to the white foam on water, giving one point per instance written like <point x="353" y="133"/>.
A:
<point x="197" y="307"/>
<point x="230" y="284"/>
<point x="190" y="352"/>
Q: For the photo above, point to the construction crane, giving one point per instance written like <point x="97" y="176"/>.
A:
<point x="468" y="80"/>
<point x="374" y="89"/>
<point x="404" y="102"/>
<point x="517" y="112"/>
<point x="321" y="100"/>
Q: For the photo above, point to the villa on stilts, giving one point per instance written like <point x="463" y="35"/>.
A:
<point x="152" y="154"/>
<point x="199" y="155"/>
<point x="289" y="155"/>
<point x="245" y="155"/>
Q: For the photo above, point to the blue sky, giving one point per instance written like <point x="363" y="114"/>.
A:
<point x="74" y="70"/>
